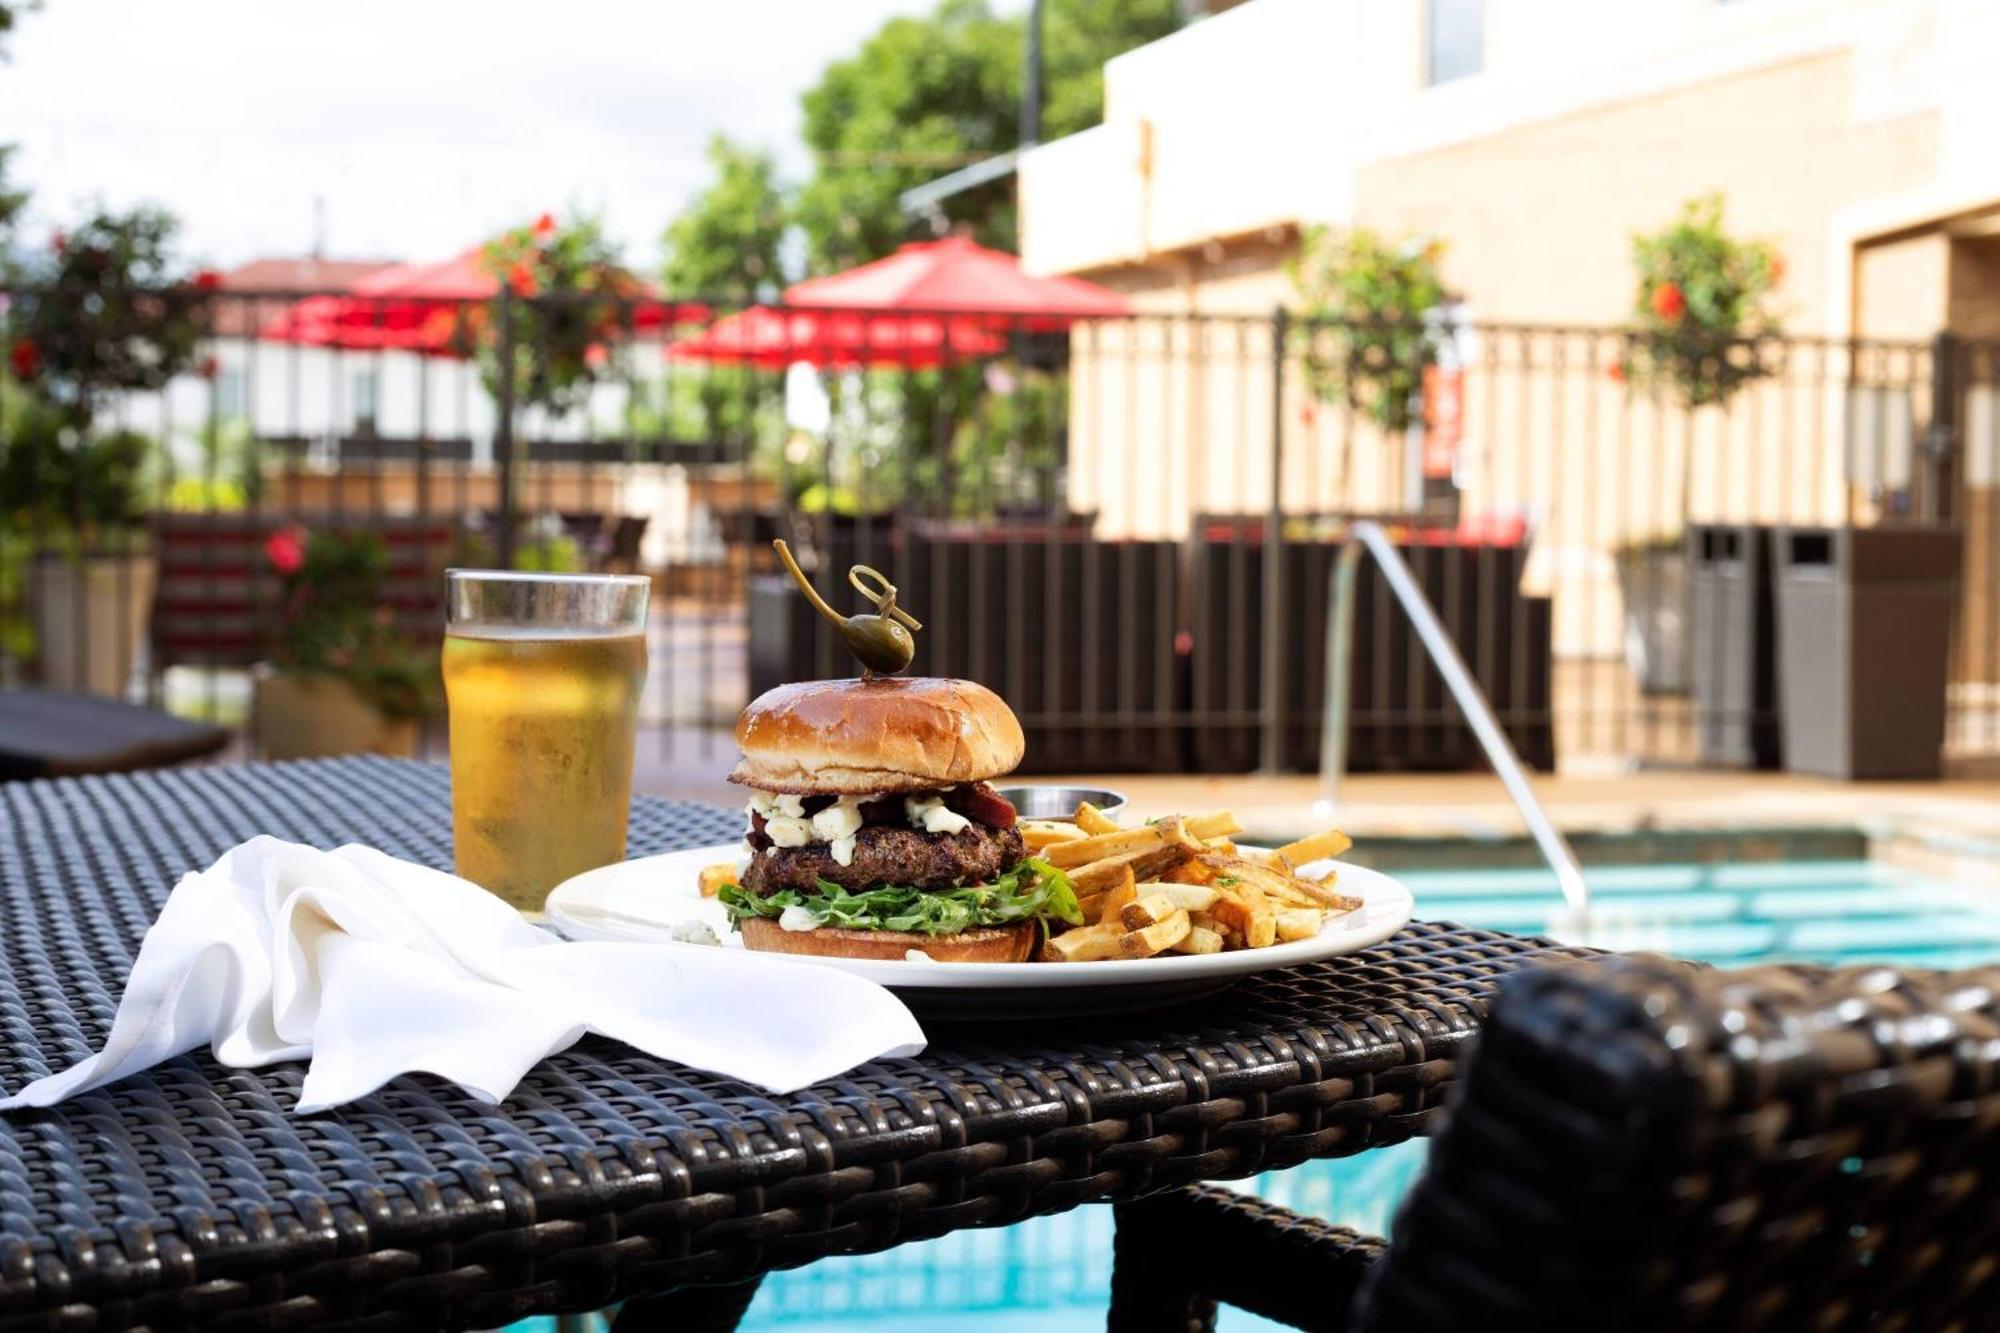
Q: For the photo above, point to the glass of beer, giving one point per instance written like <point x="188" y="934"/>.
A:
<point x="542" y="676"/>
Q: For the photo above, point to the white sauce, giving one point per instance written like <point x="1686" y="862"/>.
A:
<point x="839" y="825"/>
<point x="798" y="918"/>
<point x="930" y="815"/>
<point x="787" y="831"/>
<point x="840" y="820"/>
<point x="693" y="930"/>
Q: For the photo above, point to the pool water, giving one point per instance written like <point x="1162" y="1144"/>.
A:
<point x="1051" y="1275"/>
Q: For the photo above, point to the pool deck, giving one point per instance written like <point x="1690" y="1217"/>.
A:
<point x="1950" y="826"/>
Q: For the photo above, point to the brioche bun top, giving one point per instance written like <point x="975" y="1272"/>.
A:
<point x="881" y="734"/>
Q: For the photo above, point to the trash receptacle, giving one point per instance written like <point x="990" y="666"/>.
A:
<point x="1733" y="641"/>
<point x="1864" y="642"/>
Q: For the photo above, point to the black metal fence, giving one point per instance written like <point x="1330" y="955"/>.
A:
<point x="1125" y="525"/>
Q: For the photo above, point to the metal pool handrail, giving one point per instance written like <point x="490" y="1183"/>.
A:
<point x="1366" y="537"/>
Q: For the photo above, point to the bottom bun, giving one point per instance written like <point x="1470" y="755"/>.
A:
<point x="985" y="944"/>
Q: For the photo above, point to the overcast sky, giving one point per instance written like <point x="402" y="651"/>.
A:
<point x="425" y="125"/>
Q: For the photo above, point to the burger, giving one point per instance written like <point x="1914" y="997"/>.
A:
<point x="874" y="832"/>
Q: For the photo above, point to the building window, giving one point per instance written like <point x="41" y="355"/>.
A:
<point x="1455" y="39"/>
<point x="230" y="399"/>
<point x="362" y="395"/>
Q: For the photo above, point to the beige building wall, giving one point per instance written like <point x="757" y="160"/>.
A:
<point x="1901" y="287"/>
<point x="1858" y="135"/>
<point x="1539" y="220"/>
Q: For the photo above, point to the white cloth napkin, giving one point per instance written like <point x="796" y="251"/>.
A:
<point x="371" y="967"/>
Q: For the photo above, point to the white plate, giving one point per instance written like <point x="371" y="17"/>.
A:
<point x="643" y="900"/>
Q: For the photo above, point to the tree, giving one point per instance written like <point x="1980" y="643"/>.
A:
<point x="728" y="243"/>
<point x="1701" y="302"/>
<point x="1365" y="298"/>
<point x="109" y="308"/>
<point x="576" y="299"/>
<point x="10" y="14"/>
<point x="925" y="96"/>
<point x="11" y="201"/>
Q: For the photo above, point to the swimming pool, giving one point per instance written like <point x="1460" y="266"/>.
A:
<point x="1051" y="1275"/>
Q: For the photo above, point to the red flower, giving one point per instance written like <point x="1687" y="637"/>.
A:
<point x="521" y="277"/>
<point x="1777" y="269"/>
<point x="1668" y="302"/>
<point x="59" y="242"/>
<point x="545" y="225"/>
<point x="208" y="368"/>
<point x="1615" y="372"/>
<point x="25" y="359"/>
<point x="207" y="279"/>
<point x="286" y="550"/>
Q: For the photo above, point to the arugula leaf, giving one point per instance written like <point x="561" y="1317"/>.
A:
<point x="1032" y="890"/>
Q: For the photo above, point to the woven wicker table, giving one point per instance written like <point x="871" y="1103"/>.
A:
<point x="191" y="1196"/>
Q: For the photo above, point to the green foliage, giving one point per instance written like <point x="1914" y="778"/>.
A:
<point x="336" y="622"/>
<point x="64" y="492"/>
<point x="231" y="474"/>
<point x="10" y="14"/>
<point x="540" y="546"/>
<point x="107" y="309"/>
<point x="1031" y="891"/>
<point x="66" y="483"/>
<point x="11" y="201"/>
<point x="925" y="96"/>
<point x="554" y="553"/>
<point x="1005" y="453"/>
<point x="567" y="329"/>
<point x="1701" y="301"/>
<point x="1365" y="298"/>
<point x="727" y="244"/>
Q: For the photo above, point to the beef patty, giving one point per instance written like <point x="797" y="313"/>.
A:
<point x="886" y="854"/>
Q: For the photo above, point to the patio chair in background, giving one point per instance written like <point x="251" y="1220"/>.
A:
<point x="44" y="734"/>
<point x="1639" y="1144"/>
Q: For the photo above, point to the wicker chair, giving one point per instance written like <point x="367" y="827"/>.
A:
<point x="1637" y="1144"/>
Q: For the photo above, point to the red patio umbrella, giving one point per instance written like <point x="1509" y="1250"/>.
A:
<point x="958" y="274"/>
<point x="770" y="336"/>
<point x="419" y="307"/>
<point x="930" y="302"/>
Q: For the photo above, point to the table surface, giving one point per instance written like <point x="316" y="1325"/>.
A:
<point x="191" y="1194"/>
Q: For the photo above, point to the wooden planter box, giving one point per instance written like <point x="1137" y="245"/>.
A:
<point x="1402" y="715"/>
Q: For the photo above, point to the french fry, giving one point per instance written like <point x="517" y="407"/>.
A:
<point x="1299" y="923"/>
<point x="1182" y="884"/>
<point x="1194" y="870"/>
<point x="715" y="876"/>
<point x="1092" y="820"/>
<point x="1157" y="864"/>
<point x="1120" y="897"/>
<point x="1102" y="874"/>
<point x="1039" y="834"/>
<point x="1318" y="847"/>
<point x="1194" y="897"/>
<point x="1277" y="882"/>
<point x="1083" y="851"/>
<point x="1147" y="910"/>
<point x="1231" y="937"/>
<point x="1244" y="910"/>
<point x="1157" y="938"/>
<point x="1219" y="824"/>
<point x="1085" y="944"/>
<point x="1199" y="939"/>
